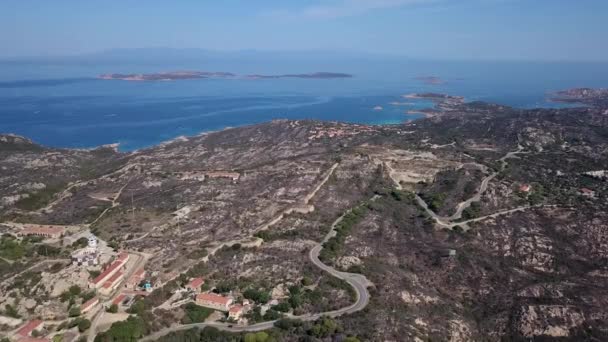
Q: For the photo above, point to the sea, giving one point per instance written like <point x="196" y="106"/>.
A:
<point x="63" y="104"/>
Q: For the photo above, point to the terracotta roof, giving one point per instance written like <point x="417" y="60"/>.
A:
<point x="235" y="309"/>
<point x="119" y="299"/>
<point x="115" y="265"/>
<point x="30" y="326"/>
<point x="587" y="191"/>
<point x="211" y="297"/>
<point x="33" y="339"/>
<point x="112" y="280"/>
<point x="123" y="256"/>
<point x="196" y="282"/>
<point x="50" y="230"/>
<point x="90" y="303"/>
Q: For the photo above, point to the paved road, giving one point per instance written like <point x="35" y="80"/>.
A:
<point x="358" y="281"/>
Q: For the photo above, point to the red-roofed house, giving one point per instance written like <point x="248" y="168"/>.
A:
<point x="236" y="312"/>
<point x="195" y="284"/>
<point x="525" y="188"/>
<point x="89" y="304"/>
<point x="214" y="301"/>
<point x="49" y="232"/>
<point x="119" y="299"/>
<point x="587" y="192"/>
<point x="111" y="284"/>
<point x="30" y="326"/>
<point x="114" y="267"/>
<point x="33" y="339"/>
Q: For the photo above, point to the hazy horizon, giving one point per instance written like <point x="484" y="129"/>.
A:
<point x="511" y="30"/>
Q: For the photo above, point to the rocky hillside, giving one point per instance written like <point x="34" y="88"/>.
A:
<point x="481" y="222"/>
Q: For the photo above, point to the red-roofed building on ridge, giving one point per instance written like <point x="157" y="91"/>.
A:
<point x="119" y="299"/>
<point x="89" y="304"/>
<point x="29" y="327"/>
<point x="587" y="192"/>
<point x="110" y="271"/>
<point x="214" y="301"/>
<point x="112" y="283"/>
<point x="236" y="312"/>
<point x="525" y="188"/>
<point x="47" y="232"/>
<point x="195" y="284"/>
<point x="33" y="339"/>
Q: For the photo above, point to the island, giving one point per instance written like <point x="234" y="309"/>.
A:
<point x="587" y="96"/>
<point x="184" y="75"/>
<point x="433" y="80"/>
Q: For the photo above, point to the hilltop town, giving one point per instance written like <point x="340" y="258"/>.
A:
<point x="479" y="222"/>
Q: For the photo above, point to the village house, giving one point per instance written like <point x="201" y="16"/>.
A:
<point x="29" y="327"/>
<point x="33" y="339"/>
<point x="236" y="312"/>
<point x="109" y="272"/>
<point x="214" y="301"/>
<point x="47" y="232"/>
<point x="119" y="299"/>
<point x="88" y="305"/>
<point x="195" y="284"/>
<point x="587" y="193"/>
<point x="219" y="174"/>
<point x="525" y="188"/>
<point x="112" y="283"/>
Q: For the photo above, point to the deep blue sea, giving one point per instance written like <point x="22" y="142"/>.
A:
<point x="63" y="105"/>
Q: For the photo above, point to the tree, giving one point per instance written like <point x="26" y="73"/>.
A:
<point x="75" y="290"/>
<point x="130" y="330"/>
<point x="74" y="311"/>
<point x="83" y="325"/>
<point x="256" y="337"/>
<point x="113" y="308"/>
<point x="306" y="281"/>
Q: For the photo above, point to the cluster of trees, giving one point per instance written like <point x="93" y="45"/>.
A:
<point x="195" y="313"/>
<point x="257" y="295"/>
<point x="130" y="330"/>
<point x="434" y="201"/>
<point x="323" y="328"/>
<point x="40" y="198"/>
<point x="332" y="247"/>
<point x="11" y="248"/>
<point x="473" y="211"/>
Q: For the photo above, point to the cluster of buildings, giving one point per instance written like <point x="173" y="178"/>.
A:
<point x="216" y="301"/>
<point x="110" y="278"/>
<point x="203" y="175"/>
<point x="44" y="231"/>
<point x="88" y="256"/>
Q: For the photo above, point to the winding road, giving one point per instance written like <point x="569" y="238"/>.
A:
<point x="450" y="221"/>
<point x="358" y="282"/>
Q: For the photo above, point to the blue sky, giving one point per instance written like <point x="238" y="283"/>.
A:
<point x="439" y="29"/>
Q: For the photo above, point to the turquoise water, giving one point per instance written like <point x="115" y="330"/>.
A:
<point x="63" y="105"/>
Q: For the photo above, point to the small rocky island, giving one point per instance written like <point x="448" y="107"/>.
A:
<point x="184" y="75"/>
